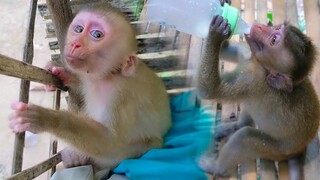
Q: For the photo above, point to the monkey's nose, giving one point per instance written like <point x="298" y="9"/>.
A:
<point x="75" y="44"/>
<point x="259" y="27"/>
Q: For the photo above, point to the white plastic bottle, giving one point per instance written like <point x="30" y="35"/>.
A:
<point x="194" y="16"/>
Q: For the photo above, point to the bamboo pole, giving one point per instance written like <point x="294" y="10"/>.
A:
<point x="28" y="72"/>
<point x="38" y="169"/>
<point x="61" y="15"/>
<point x="24" y="88"/>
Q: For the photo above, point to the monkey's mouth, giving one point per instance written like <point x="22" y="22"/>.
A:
<point x="73" y="58"/>
<point x="255" y="45"/>
<point x="74" y="61"/>
<point x="259" y="45"/>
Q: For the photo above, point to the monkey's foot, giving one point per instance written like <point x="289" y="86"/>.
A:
<point x="210" y="166"/>
<point x="73" y="158"/>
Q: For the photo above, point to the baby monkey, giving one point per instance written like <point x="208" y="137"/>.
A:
<point x="273" y="89"/>
<point x="126" y="109"/>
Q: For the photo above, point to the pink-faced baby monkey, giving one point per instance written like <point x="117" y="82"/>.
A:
<point x="273" y="89"/>
<point x="126" y="109"/>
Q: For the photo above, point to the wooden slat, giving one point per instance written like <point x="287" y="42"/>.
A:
<point x="291" y="12"/>
<point x="176" y="81"/>
<point x="75" y="6"/>
<point x="312" y="17"/>
<point x="284" y="170"/>
<point x="61" y="16"/>
<point x="38" y="169"/>
<point x="144" y="27"/>
<point x="267" y="170"/>
<point x="248" y="171"/>
<point x="154" y="44"/>
<point x="312" y="160"/>
<point x="249" y="12"/>
<point x="24" y="86"/>
<point x="262" y="10"/>
<point x="45" y="12"/>
<point x="53" y="149"/>
<point x="278" y="10"/>
<point x="165" y="63"/>
<point x="22" y="70"/>
<point x="50" y="30"/>
<point x="193" y="56"/>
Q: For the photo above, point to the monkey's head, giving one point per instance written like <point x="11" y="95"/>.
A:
<point x="100" y="42"/>
<point x="284" y="51"/>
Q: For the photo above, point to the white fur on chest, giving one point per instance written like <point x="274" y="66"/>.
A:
<point x="98" y="100"/>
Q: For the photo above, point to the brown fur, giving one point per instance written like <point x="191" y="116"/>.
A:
<point x="125" y="108"/>
<point x="274" y="92"/>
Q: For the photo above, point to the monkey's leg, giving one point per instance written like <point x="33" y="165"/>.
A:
<point x="227" y="129"/>
<point x="246" y="144"/>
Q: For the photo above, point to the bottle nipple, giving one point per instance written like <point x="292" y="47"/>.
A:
<point x="242" y="27"/>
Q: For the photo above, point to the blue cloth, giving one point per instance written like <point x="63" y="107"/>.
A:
<point x="185" y="141"/>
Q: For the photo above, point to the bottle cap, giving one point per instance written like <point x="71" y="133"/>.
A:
<point x="231" y="13"/>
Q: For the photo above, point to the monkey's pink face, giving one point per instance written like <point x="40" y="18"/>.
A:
<point x="267" y="46"/>
<point x="91" y="44"/>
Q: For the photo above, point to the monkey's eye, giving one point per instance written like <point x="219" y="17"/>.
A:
<point x="275" y="40"/>
<point x="96" y="34"/>
<point x="77" y="28"/>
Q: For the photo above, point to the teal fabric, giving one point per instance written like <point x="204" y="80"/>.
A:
<point x="186" y="140"/>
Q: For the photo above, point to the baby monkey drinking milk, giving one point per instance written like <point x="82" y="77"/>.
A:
<point x="274" y="91"/>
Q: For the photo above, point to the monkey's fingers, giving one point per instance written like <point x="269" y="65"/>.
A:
<point x="227" y="32"/>
<point x="62" y="74"/>
<point x="224" y="26"/>
<point x="50" y="88"/>
<point x="225" y="1"/>
<point x="216" y="22"/>
<point x="18" y="128"/>
<point x="20" y="121"/>
<point x="16" y="105"/>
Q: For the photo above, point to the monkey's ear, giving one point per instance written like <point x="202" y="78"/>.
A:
<point x="129" y="67"/>
<point x="280" y="81"/>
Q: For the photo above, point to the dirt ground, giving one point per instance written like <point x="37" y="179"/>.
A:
<point x="14" y="20"/>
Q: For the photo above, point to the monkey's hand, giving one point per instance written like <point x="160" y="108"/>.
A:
<point x="61" y="73"/>
<point x="219" y="31"/>
<point x="31" y="118"/>
<point x="225" y="1"/>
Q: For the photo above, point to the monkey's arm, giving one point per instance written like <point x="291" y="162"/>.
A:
<point x="84" y="133"/>
<point x="208" y="74"/>
<point x="210" y="84"/>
